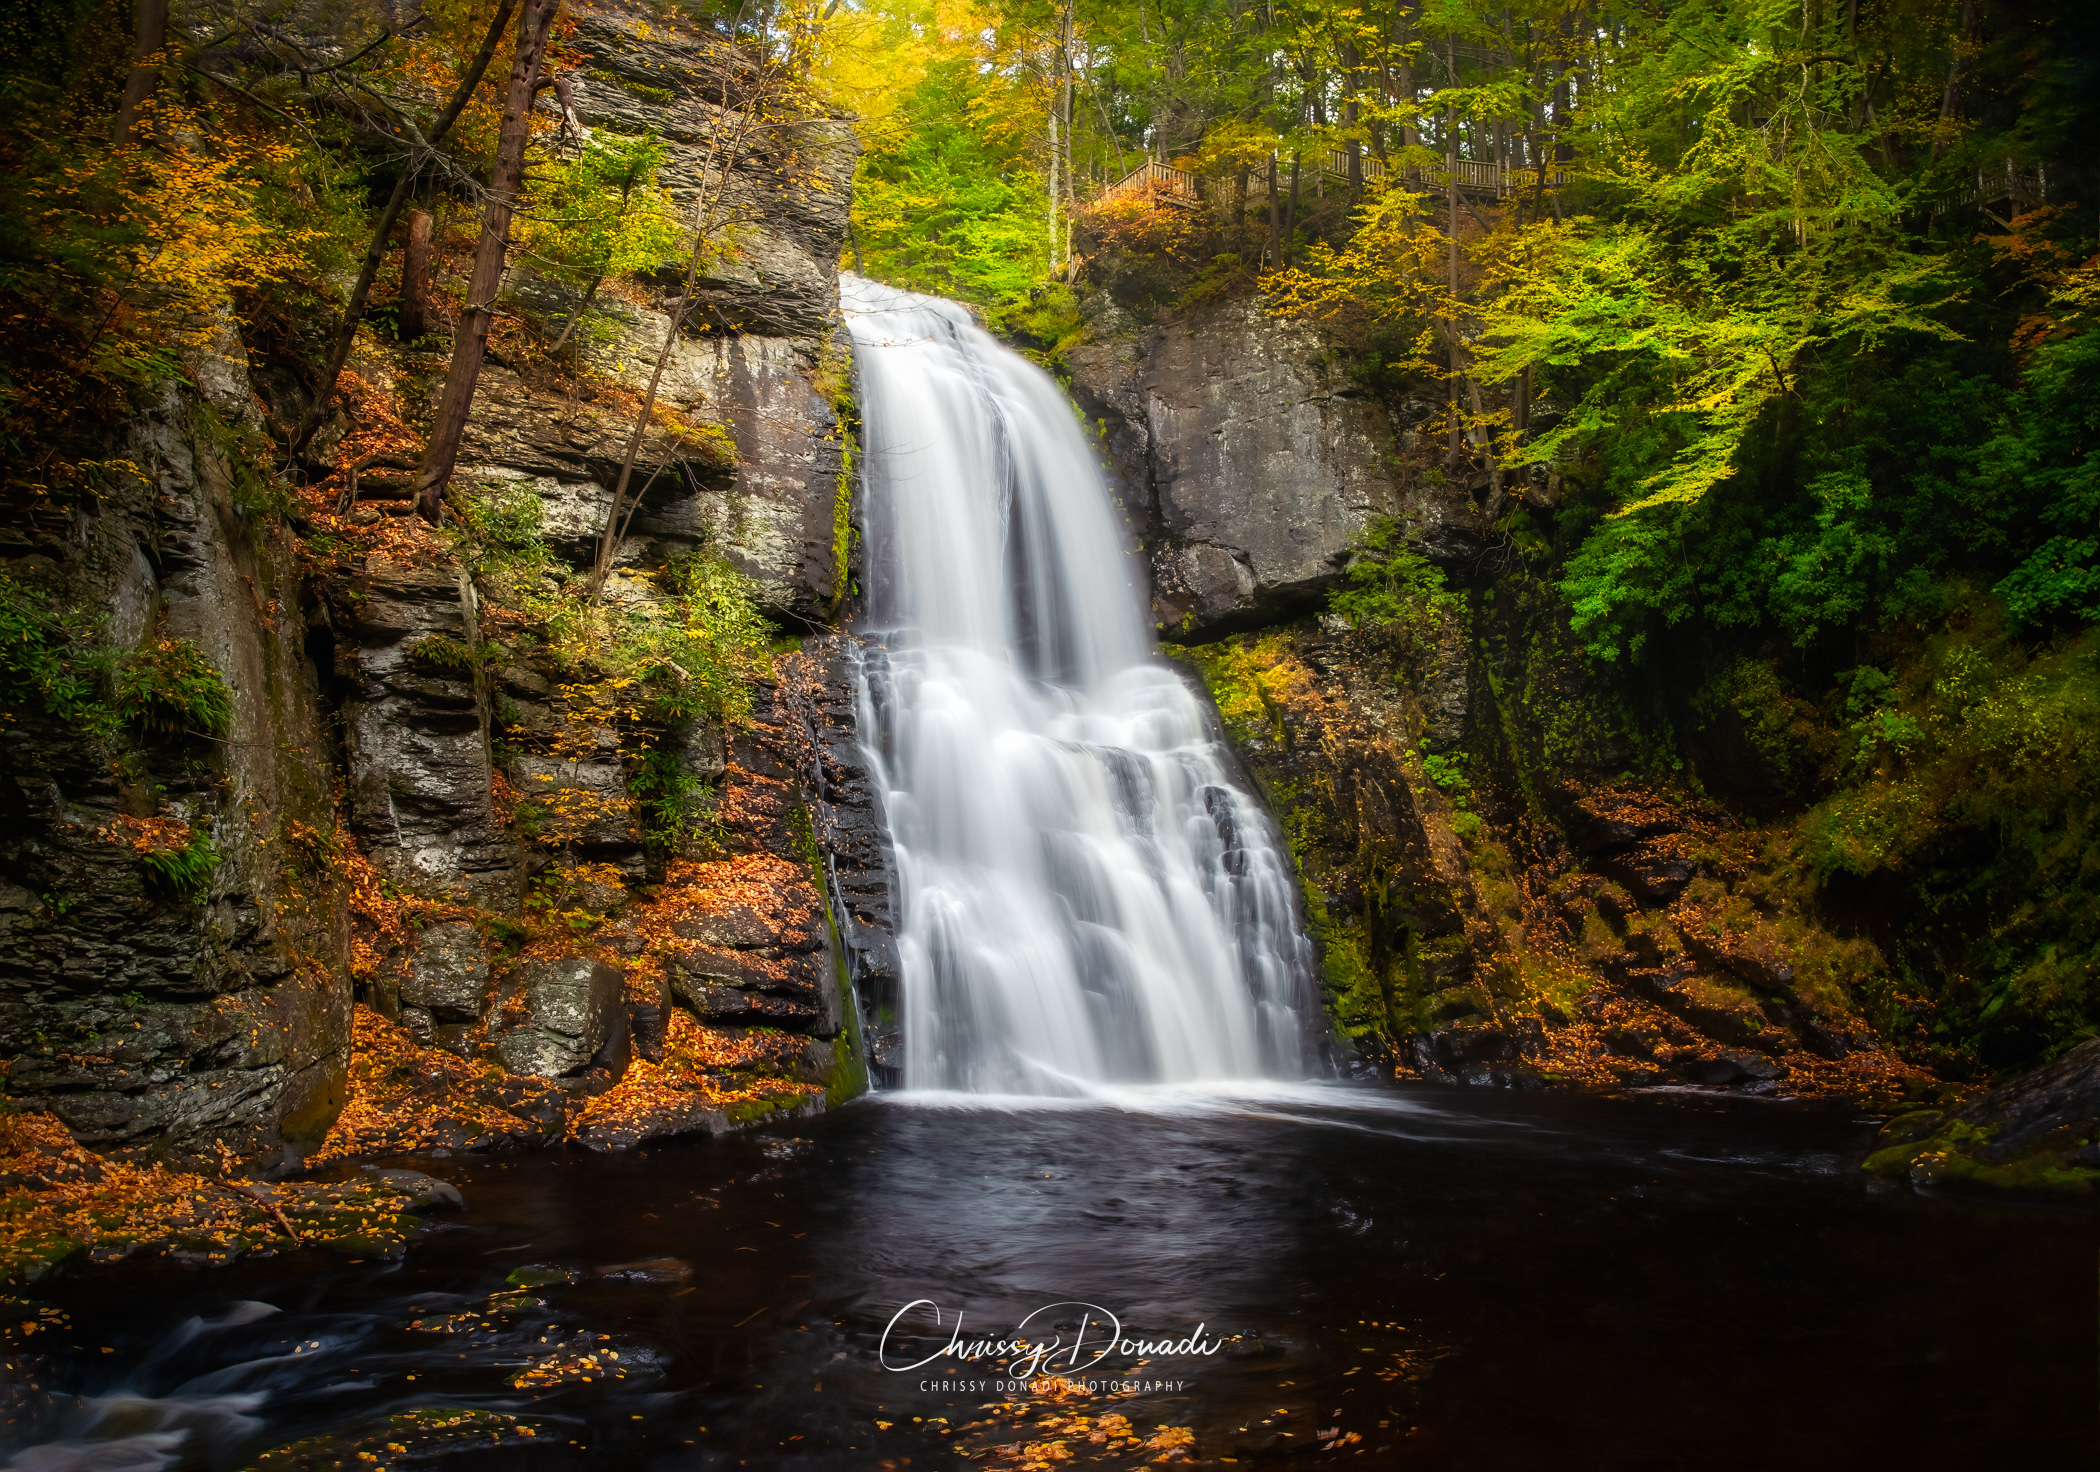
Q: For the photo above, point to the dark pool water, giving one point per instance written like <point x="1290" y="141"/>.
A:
<point x="1436" y="1279"/>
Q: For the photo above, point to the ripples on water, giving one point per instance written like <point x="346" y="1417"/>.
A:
<point x="1465" y="1280"/>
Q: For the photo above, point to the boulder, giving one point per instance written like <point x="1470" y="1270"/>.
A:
<point x="573" y="1006"/>
<point x="449" y="978"/>
<point x="665" y="1117"/>
<point x="425" y="1193"/>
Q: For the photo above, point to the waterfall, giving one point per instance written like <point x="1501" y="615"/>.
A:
<point x="1084" y="896"/>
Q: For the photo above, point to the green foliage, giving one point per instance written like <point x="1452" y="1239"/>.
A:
<point x="1449" y="775"/>
<point x="168" y="689"/>
<point x="52" y="658"/>
<point x="1043" y="324"/>
<point x="940" y="207"/>
<point x="666" y="799"/>
<point x="699" y="662"/>
<point x="599" y="211"/>
<point x="1974" y="793"/>
<point x="183" y="873"/>
<point x="1394" y="594"/>
<point x="257" y="495"/>
<point x="442" y="653"/>
<point x="2049" y="446"/>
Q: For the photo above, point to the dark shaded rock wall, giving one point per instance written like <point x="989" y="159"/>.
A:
<point x="138" y="1012"/>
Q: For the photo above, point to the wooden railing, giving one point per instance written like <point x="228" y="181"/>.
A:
<point x="1181" y="187"/>
<point x="2025" y="188"/>
<point x="1174" y="186"/>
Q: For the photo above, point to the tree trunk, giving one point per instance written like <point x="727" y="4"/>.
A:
<point x="470" y="342"/>
<point x="415" y="278"/>
<point x="1290" y="221"/>
<point x="1352" y="114"/>
<point x="1064" y="60"/>
<point x="1275" y="218"/>
<point x="583" y="309"/>
<point x="1451" y="196"/>
<point x="152" y="31"/>
<point x="1950" y="99"/>
<point x="1051" y="210"/>
<point x="354" y="312"/>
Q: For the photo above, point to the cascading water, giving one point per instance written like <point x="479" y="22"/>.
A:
<point x="1084" y="897"/>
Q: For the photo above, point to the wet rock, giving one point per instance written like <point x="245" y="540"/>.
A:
<point x="653" y="1270"/>
<point x="1756" y="959"/>
<point x="1255" y="464"/>
<point x="850" y="825"/>
<point x="419" y="1025"/>
<point x="416" y="736"/>
<point x="734" y="998"/>
<point x="572" y="1007"/>
<point x="1457" y="1052"/>
<point x="1724" y="1069"/>
<point x="139" y="1014"/>
<point x="648" y="1016"/>
<point x="424" y="1193"/>
<point x="449" y="978"/>
<point x="782" y="277"/>
<point x="671" y="1115"/>
<point x="2035" y="1135"/>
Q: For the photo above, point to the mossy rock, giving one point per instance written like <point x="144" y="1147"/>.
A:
<point x="420" y="1438"/>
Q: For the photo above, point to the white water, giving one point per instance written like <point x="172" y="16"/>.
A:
<point x="1084" y="896"/>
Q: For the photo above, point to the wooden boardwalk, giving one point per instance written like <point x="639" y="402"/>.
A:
<point x="2023" y="189"/>
<point x="1176" y="186"/>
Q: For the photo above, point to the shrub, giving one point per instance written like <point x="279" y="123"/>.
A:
<point x="169" y="690"/>
<point x="1394" y="595"/>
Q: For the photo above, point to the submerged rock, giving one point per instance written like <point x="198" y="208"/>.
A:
<point x="422" y="1193"/>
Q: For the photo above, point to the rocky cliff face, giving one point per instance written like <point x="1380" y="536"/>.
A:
<point x="1250" y="465"/>
<point x="415" y="808"/>
<point x="138" y="1003"/>
<point x="1495" y="899"/>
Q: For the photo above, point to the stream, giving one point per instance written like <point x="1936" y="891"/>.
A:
<point x="1434" y="1278"/>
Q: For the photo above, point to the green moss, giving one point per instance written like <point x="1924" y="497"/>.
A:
<point x="1354" y="992"/>
<point x="848" y="1075"/>
<point x="409" y="1438"/>
<point x="661" y="96"/>
<point x="1395" y="596"/>
<point x="842" y="533"/>
<point x="1246" y="681"/>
